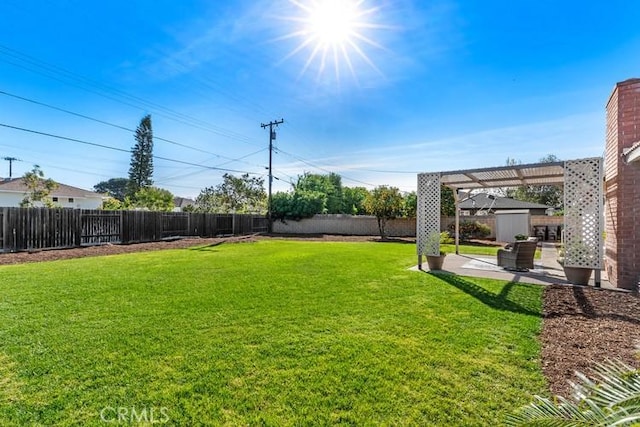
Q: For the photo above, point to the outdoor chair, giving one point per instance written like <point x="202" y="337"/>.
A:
<point x="519" y="255"/>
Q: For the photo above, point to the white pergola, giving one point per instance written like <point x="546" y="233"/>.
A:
<point x="583" y="182"/>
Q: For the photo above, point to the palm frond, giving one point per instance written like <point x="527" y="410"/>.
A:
<point x="611" y="398"/>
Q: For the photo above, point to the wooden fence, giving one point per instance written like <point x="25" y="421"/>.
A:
<point x="28" y="229"/>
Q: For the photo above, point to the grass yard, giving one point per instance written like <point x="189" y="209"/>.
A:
<point x="268" y="333"/>
<point x="479" y="250"/>
<point x="471" y="249"/>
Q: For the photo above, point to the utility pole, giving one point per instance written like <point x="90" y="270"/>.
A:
<point x="10" y="160"/>
<point x="272" y="137"/>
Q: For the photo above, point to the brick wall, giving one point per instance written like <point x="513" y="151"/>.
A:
<point x="622" y="186"/>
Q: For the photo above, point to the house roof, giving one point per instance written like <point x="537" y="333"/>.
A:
<point x="183" y="202"/>
<point x="483" y="201"/>
<point x="17" y="185"/>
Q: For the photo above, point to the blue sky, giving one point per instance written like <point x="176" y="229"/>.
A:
<point x="423" y="86"/>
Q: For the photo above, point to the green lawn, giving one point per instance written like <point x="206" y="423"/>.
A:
<point x="471" y="249"/>
<point x="479" y="250"/>
<point x="267" y="333"/>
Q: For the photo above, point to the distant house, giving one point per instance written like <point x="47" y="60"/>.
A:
<point x="484" y="203"/>
<point x="12" y="191"/>
<point x="180" y="203"/>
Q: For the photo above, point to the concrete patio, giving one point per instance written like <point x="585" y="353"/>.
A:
<point x="546" y="270"/>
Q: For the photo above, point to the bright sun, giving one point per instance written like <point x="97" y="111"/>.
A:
<point x="332" y="22"/>
<point x="334" y="32"/>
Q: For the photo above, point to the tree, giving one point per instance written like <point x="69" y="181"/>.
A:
<point x="243" y="194"/>
<point x="330" y="185"/>
<point x="141" y="166"/>
<point x="447" y="201"/>
<point x="114" y="187"/>
<point x="298" y="205"/>
<point x="281" y="205"/>
<point x="410" y="205"/>
<point x="550" y="195"/>
<point x="385" y="203"/>
<point x="353" y="200"/>
<point x="113" y="204"/>
<point x="39" y="189"/>
<point x="154" y="199"/>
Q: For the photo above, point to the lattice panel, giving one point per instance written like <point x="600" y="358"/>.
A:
<point x="583" y="213"/>
<point x="428" y="225"/>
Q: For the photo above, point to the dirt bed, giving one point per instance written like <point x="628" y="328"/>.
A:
<point x="581" y="326"/>
<point x="90" y="251"/>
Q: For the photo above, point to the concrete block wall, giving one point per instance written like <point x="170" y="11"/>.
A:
<point x="346" y="225"/>
<point x="622" y="186"/>
<point x="368" y="225"/>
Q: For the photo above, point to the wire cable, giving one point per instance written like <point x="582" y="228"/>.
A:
<point x="70" y="78"/>
<point x="33" y="101"/>
<point x="108" y="147"/>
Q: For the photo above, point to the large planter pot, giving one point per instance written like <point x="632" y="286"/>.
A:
<point x="577" y="275"/>
<point x="435" y="262"/>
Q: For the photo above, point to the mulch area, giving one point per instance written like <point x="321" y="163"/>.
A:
<point x="581" y="326"/>
<point x="108" y="249"/>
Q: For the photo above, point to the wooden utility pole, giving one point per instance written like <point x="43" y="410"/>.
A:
<point x="272" y="137"/>
<point x="10" y="160"/>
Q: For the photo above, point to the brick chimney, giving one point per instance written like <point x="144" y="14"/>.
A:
<point x="622" y="186"/>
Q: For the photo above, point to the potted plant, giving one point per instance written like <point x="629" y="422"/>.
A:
<point x="574" y="275"/>
<point x="435" y="262"/>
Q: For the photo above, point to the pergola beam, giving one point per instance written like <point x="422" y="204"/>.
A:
<point x="475" y="179"/>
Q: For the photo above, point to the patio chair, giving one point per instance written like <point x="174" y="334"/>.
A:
<point x="538" y="232"/>
<point x="519" y="256"/>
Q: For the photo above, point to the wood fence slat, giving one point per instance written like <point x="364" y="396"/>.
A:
<point x="24" y="229"/>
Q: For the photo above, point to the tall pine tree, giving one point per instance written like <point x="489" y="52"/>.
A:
<point x="141" y="167"/>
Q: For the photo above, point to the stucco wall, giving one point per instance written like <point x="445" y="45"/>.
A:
<point x="13" y="199"/>
<point x="368" y="226"/>
<point x="347" y="225"/>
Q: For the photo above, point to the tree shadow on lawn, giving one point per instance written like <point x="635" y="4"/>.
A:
<point x="505" y="300"/>
<point x="206" y="248"/>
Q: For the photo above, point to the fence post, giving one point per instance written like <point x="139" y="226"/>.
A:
<point x="122" y="227"/>
<point x="77" y="221"/>
<point x="5" y="228"/>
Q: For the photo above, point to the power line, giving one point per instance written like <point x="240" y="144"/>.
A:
<point x="321" y="168"/>
<point x="108" y="147"/>
<point x="219" y="165"/>
<point x="53" y="107"/>
<point x="70" y="78"/>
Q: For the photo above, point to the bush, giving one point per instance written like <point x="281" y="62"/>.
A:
<point x="521" y="237"/>
<point x="472" y="230"/>
<point x="445" y="238"/>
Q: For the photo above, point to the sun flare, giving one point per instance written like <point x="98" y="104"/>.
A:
<point x="335" y="33"/>
<point x="332" y="22"/>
